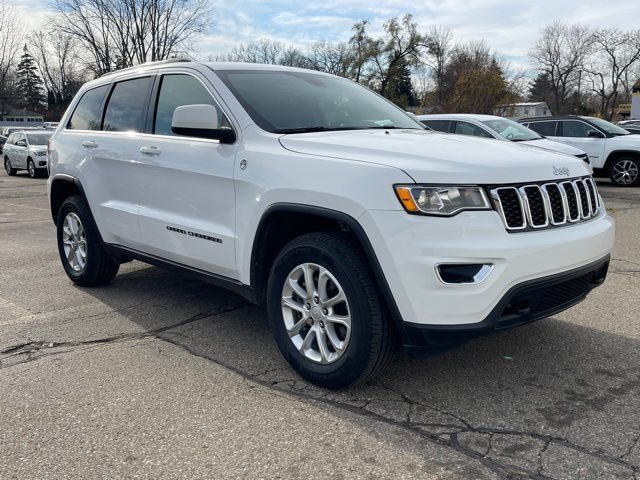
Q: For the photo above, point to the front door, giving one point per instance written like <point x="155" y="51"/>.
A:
<point x="577" y="134"/>
<point x="19" y="159"/>
<point x="187" y="206"/>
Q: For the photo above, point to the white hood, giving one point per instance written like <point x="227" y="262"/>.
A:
<point x="439" y="158"/>
<point x="554" y="146"/>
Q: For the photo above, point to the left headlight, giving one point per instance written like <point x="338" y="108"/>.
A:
<point x="444" y="201"/>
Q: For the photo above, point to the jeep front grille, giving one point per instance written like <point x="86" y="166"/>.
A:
<point x="536" y="206"/>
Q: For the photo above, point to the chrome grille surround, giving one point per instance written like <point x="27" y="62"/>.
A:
<point x="563" y="203"/>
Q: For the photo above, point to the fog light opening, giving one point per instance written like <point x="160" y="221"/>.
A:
<point x="463" y="273"/>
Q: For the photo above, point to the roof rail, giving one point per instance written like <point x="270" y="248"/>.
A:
<point x="148" y="64"/>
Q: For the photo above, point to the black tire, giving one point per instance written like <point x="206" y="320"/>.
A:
<point x="100" y="268"/>
<point x="630" y="165"/>
<point x="31" y="168"/>
<point x="7" y="167"/>
<point x="372" y="340"/>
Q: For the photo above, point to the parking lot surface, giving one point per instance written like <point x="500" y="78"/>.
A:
<point x="161" y="376"/>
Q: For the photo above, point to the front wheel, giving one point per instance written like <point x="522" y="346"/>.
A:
<point x="31" y="168"/>
<point x="625" y="171"/>
<point x="325" y="311"/>
<point x="84" y="259"/>
<point x="7" y="167"/>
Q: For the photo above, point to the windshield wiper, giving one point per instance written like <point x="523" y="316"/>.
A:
<point x="332" y="129"/>
<point x="311" y="129"/>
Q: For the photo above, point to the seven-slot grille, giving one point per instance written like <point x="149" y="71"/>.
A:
<point x="534" y="206"/>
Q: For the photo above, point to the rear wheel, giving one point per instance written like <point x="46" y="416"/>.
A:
<point x="325" y="311"/>
<point x="7" y="167"/>
<point x="625" y="171"/>
<point x="84" y="259"/>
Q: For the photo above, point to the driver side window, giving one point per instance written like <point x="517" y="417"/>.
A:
<point x="465" y="128"/>
<point x="575" y="129"/>
<point x="177" y="90"/>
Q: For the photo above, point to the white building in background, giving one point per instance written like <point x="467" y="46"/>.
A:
<point x="523" y="110"/>
<point x="19" y="117"/>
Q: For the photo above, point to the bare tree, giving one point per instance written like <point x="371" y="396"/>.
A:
<point x="615" y="53"/>
<point x="439" y="49"/>
<point x="10" y="43"/>
<point x="122" y="33"/>
<point x="54" y="54"/>
<point x="265" y="51"/>
<point x="561" y="51"/>
<point x="334" y="58"/>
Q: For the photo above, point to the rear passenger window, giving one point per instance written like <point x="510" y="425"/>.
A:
<point x="547" y="129"/>
<point x="127" y="107"/>
<point x="88" y="112"/>
<point x="439" y="125"/>
<point x="178" y="90"/>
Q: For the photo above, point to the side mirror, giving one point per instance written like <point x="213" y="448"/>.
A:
<point x="200" y="121"/>
<point x="594" y="134"/>
<point x="21" y="143"/>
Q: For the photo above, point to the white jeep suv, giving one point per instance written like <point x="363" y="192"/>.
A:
<point x="310" y="194"/>
<point x="613" y="151"/>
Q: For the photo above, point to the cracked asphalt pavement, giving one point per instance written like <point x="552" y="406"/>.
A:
<point x="161" y="376"/>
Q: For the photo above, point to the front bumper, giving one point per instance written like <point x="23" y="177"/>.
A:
<point x="409" y="248"/>
<point x="524" y="303"/>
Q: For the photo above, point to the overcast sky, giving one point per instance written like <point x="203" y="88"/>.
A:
<point x="509" y="26"/>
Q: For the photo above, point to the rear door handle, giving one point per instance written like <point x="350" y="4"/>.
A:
<point x="89" y="144"/>
<point x="150" y="151"/>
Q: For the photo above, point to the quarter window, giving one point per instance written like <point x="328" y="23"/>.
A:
<point x="547" y="129"/>
<point x="88" y="113"/>
<point x="126" y="109"/>
<point x="175" y="91"/>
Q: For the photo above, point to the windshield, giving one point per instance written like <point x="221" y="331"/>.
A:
<point x="511" y="130"/>
<point x="293" y="102"/>
<point x="38" y="138"/>
<point x="610" y="128"/>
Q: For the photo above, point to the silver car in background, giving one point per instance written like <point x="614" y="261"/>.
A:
<point x="499" y="128"/>
<point x="27" y="150"/>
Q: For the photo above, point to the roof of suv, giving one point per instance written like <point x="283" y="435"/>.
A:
<point x="172" y="63"/>
<point x="461" y="116"/>
<point x="554" y="117"/>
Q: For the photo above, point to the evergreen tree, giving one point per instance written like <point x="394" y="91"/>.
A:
<point x="399" y="87"/>
<point x="30" y="85"/>
<point x="541" y="88"/>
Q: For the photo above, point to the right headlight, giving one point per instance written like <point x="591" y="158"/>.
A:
<point x="439" y="200"/>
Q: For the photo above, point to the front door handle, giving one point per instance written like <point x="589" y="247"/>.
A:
<point x="150" y="151"/>
<point x="89" y="144"/>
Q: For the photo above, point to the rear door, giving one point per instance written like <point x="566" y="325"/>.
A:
<point x="187" y="211"/>
<point x="105" y="131"/>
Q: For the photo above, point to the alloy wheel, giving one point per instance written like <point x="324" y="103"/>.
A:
<point x="74" y="241"/>
<point x="32" y="169"/>
<point x="316" y="313"/>
<point x="7" y="166"/>
<point x="624" y="172"/>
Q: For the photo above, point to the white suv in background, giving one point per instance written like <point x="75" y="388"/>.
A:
<point x="311" y="195"/>
<point x="613" y="151"/>
<point x="499" y="128"/>
<point x="26" y="150"/>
